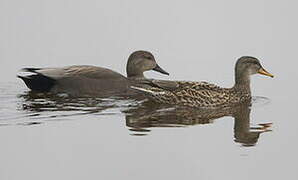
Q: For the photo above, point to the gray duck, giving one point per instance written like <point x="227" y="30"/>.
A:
<point x="204" y="94"/>
<point x="85" y="80"/>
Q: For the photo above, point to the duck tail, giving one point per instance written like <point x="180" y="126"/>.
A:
<point x="38" y="82"/>
<point x="33" y="70"/>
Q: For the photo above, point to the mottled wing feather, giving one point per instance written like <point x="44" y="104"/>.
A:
<point x="192" y="94"/>
<point x="202" y="93"/>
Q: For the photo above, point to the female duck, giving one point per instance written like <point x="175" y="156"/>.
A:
<point x="92" y="80"/>
<point x="203" y="94"/>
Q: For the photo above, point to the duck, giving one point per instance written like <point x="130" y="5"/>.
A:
<point x="87" y="80"/>
<point x="203" y="94"/>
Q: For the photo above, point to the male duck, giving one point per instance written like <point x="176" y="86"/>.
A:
<point x="91" y="80"/>
<point x="203" y="94"/>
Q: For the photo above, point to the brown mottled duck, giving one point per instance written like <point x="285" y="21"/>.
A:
<point x="204" y="94"/>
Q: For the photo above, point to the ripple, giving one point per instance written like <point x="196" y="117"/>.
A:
<point x="20" y="107"/>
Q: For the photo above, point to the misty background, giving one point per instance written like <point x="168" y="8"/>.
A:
<point x="192" y="40"/>
<point x="184" y="36"/>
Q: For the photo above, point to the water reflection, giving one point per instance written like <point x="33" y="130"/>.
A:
<point x="141" y="119"/>
<point x="36" y="108"/>
<point x="40" y="102"/>
<point x="140" y="116"/>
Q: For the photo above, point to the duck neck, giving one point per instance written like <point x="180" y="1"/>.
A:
<point x="135" y="76"/>
<point x="242" y="82"/>
<point x="133" y="71"/>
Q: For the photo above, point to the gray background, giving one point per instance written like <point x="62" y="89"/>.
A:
<point x="181" y="34"/>
<point x="193" y="40"/>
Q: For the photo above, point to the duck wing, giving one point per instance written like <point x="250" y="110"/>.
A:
<point x="85" y="71"/>
<point x="204" y="93"/>
<point x="195" y="94"/>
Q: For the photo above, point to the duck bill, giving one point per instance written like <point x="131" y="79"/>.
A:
<point x="264" y="72"/>
<point x="159" y="69"/>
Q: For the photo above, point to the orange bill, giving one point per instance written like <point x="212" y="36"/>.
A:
<point x="264" y="72"/>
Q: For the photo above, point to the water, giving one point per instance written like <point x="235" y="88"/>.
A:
<point x="110" y="138"/>
<point x="29" y="108"/>
<point x="57" y="137"/>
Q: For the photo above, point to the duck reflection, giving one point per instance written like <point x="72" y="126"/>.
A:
<point x="148" y="115"/>
<point x="140" y="115"/>
<point x="39" y="102"/>
<point x="50" y="106"/>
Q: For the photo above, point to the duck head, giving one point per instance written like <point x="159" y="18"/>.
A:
<point x="141" y="61"/>
<point x="247" y="66"/>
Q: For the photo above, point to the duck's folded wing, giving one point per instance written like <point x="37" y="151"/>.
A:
<point x="204" y="93"/>
<point x="91" y="72"/>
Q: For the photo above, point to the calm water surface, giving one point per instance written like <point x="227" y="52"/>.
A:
<point x="111" y="138"/>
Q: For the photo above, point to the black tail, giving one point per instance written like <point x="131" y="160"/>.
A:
<point x="30" y="69"/>
<point x="38" y="82"/>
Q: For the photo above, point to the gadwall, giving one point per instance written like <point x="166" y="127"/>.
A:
<point x="204" y="94"/>
<point x="91" y="80"/>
